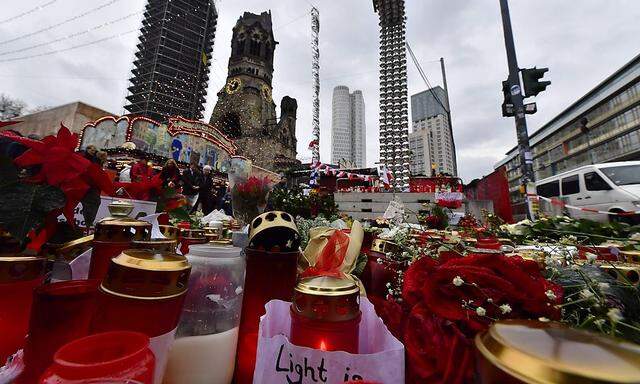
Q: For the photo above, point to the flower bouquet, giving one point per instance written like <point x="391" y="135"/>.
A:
<point x="249" y="198"/>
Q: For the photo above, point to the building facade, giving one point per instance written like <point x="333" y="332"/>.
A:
<point x="245" y="110"/>
<point x="612" y="112"/>
<point x="171" y="67"/>
<point x="430" y="121"/>
<point x="348" y="128"/>
<point x="47" y="122"/>
<point x="424" y="104"/>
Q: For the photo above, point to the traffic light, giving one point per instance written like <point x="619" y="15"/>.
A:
<point x="531" y="80"/>
<point x="507" y="105"/>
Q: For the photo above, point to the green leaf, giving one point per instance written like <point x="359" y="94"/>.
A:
<point x="90" y="204"/>
<point x="8" y="171"/>
<point x="23" y="206"/>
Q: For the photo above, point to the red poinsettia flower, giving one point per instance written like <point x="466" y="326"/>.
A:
<point x="62" y="167"/>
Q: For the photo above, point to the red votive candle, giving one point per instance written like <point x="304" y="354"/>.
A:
<point x="103" y="358"/>
<point x="190" y="237"/>
<point x="488" y="243"/>
<point x="325" y="314"/>
<point x="113" y="235"/>
<point x="269" y="275"/>
<point x="144" y="291"/>
<point x="61" y="312"/>
<point x="19" y="275"/>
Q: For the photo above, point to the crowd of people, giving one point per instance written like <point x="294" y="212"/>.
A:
<point x="196" y="183"/>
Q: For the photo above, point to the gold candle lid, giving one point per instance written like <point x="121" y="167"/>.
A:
<point x="14" y="268"/>
<point x="384" y="246"/>
<point x="188" y="233"/>
<point x="537" y="352"/>
<point x="119" y="226"/>
<point x="169" y="231"/>
<point x="147" y="274"/>
<point x="166" y="245"/>
<point x="327" y="298"/>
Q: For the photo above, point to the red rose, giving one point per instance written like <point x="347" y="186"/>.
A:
<point x="487" y="281"/>
<point x="437" y="352"/>
<point x="392" y="314"/>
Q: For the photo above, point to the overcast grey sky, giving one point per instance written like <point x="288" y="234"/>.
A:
<point x="581" y="41"/>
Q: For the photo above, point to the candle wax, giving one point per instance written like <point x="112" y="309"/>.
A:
<point x="206" y="359"/>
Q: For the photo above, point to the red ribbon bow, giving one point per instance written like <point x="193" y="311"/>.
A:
<point x="331" y="257"/>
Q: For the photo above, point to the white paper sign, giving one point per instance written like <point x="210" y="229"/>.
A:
<point x="140" y="208"/>
<point x="381" y="357"/>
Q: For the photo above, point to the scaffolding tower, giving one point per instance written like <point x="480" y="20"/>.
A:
<point x="394" y="129"/>
<point x="171" y="66"/>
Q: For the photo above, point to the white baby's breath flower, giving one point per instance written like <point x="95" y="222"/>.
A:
<point x="603" y="285"/>
<point x="614" y="315"/>
<point x="543" y="319"/>
<point x="586" y="294"/>
<point x="481" y="311"/>
<point x="505" y="308"/>
<point x="489" y="300"/>
<point x="599" y="322"/>
<point x="457" y="281"/>
<point x="591" y="257"/>
<point x="550" y="295"/>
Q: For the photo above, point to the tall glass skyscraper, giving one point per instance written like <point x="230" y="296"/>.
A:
<point x="171" y="67"/>
<point x="348" y="128"/>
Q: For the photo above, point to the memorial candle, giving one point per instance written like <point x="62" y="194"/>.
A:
<point x="110" y="357"/>
<point x="144" y="291"/>
<point x="113" y="235"/>
<point x="325" y="314"/>
<point x="19" y="275"/>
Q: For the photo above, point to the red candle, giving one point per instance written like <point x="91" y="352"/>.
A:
<point x="488" y="243"/>
<point x="144" y="291"/>
<point x="61" y="312"/>
<point x="190" y="237"/>
<point x="325" y="314"/>
<point x="113" y="235"/>
<point x="19" y="275"/>
<point x="269" y="275"/>
<point x="103" y="358"/>
<point x="379" y="271"/>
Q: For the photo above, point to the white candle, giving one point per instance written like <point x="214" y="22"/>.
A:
<point x="207" y="359"/>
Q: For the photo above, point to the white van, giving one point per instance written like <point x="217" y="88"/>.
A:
<point x="611" y="187"/>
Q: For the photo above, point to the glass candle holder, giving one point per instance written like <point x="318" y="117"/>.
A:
<point x="269" y="275"/>
<point x="19" y="275"/>
<point x="205" y="347"/>
<point x="325" y="314"/>
<point x="144" y="291"/>
<point x="61" y="312"/>
<point x="111" y="357"/>
<point x="113" y="235"/>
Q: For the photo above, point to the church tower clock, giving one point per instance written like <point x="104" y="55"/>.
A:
<point x="245" y="110"/>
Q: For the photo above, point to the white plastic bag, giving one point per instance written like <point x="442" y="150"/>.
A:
<point x="381" y="357"/>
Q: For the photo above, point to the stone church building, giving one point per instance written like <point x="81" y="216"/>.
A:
<point x="245" y="110"/>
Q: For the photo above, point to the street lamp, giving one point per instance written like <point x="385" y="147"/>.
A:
<point x="583" y="127"/>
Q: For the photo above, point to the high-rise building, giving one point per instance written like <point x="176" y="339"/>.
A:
<point x="245" y="110"/>
<point x="394" y="132"/>
<point x="171" y="67"/>
<point x="429" y="118"/>
<point x="348" y="130"/>
<point x="424" y="104"/>
<point x="430" y="144"/>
